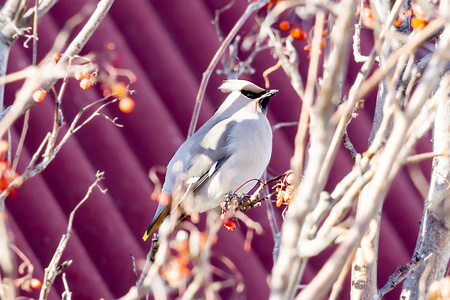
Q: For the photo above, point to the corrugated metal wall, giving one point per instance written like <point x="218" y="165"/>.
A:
<point x="168" y="45"/>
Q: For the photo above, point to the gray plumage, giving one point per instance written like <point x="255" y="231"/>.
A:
<point x="232" y="147"/>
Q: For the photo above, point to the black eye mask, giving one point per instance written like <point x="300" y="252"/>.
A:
<point x="252" y="95"/>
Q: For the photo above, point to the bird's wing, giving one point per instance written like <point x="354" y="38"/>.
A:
<point x="207" y="151"/>
<point x="197" y="182"/>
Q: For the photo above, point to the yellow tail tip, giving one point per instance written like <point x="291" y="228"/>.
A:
<point x="157" y="220"/>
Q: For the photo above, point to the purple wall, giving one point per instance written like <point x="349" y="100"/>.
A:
<point x="168" y="45"/>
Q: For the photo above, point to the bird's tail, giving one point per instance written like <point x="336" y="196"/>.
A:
<point x="161" y="213"/>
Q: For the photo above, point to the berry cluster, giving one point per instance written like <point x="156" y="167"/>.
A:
<point x="120" y="90"/>
<point x="27" y="284"/>
<point x="416" y="13"/>
<point x="285" y="189"/>
<point x="297" y="33"/>
<point x="85" y="78"/>
<point x="227" y="215"/>
<point x="7" y="175"/>
<point x="269" y="4"/>
<point x="178" y="267"/>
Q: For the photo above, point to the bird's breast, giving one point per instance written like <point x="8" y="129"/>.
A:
<point x="250" y="146"/>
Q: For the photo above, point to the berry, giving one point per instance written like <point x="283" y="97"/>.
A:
<point x="56" y="57"/>
<point x="284" y="25"/>
<point x="229" y="224"/>
<point x="164" y="198"/>
<point x="85" y="73"/>
<point x="418" y="11"/>
<point x="418" y="23"/>
<point x="290" y="178"/>
<point x="39" y="95"/>
<point x="35" y="283"/>
<point x="3" y="166"/>
<point x="367" y="17"/>
<point x="397" y="23"/>
<point x="85" y="83"/>
<point x="3" y="146"/>
<point x="119" y="89"/>
<point x="78" y="75"/>
<point x="110" y="46"/>
<point x="298" y="34"/>
<point x="126" y="105"/>
<point x="106" y="92"/>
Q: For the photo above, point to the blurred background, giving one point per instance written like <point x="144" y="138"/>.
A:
<point x="167" y="45"/>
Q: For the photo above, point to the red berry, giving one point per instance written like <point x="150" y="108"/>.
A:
<point x="397" y="23"/>
<point x="110" y="46"/>
<point x="290" y="178"/>
<point x="3" y="146"/>
<point x="39" y="95"/>
<point x="298" y="34"/>
<point x="126" y="105"/>
<point x="367" y="17"/>
<point x="35" y="283"/>
<point x="164" y="198"/>
<point x="56" y="57"/>
<point x="78" y="75"/>
<point x="85" y="83"/>
<point x="119" y="89"/>
<point x="418" y="23"/>
<point x="3" y="166"/>
<point x="284" y="25"/>
<point x="229" y="224"/>
<point x="85" y="73"/>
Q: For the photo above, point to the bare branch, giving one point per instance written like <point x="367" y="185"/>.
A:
<point x="297" y="160"/>
<point x="8" y="291"/>
<point x="44" y="7"/>
<point x="251" y="8"/>
<point x="422" y="36"/>
<point x="421" y="157"/>
<point x="52" y="270"/>
<point x="401" y="274"/>
<point x="23" y="101"/>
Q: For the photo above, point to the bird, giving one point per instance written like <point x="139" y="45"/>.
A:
<point x="233" y="147"/>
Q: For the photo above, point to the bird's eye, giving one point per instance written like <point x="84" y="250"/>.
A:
<point x="250" y="95"/>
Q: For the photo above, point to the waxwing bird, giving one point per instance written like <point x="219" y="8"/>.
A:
<point x="231" y="148"/>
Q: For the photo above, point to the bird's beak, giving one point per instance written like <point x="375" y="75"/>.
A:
<point x="264" y="99"/>
<point x="270" y="93"/>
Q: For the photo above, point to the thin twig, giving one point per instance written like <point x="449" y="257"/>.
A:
<point x="67" y="294"/>
<point x="251" y="8"/>
<point x="21" y="140"/>
<point x="6" y="262"/>
<point x="357" y="38"/>
<point x="422" y="36"/>
<point x="23" y="282"/>
<point x="27" y="114"/>
<point x="51" y="271"/>
<point x="283" y="124"/>
<point x="311" y="82"/>
<point x="413" y="159"/>
<point x="401" y="274"/>
<point x="337" y="286"/>
<point x="217" y="14"/>
<point x="33" y="169"/>
<point x="23" y="101"/>
<point x="349" y="145"/>
<point x="268" y="71"/>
